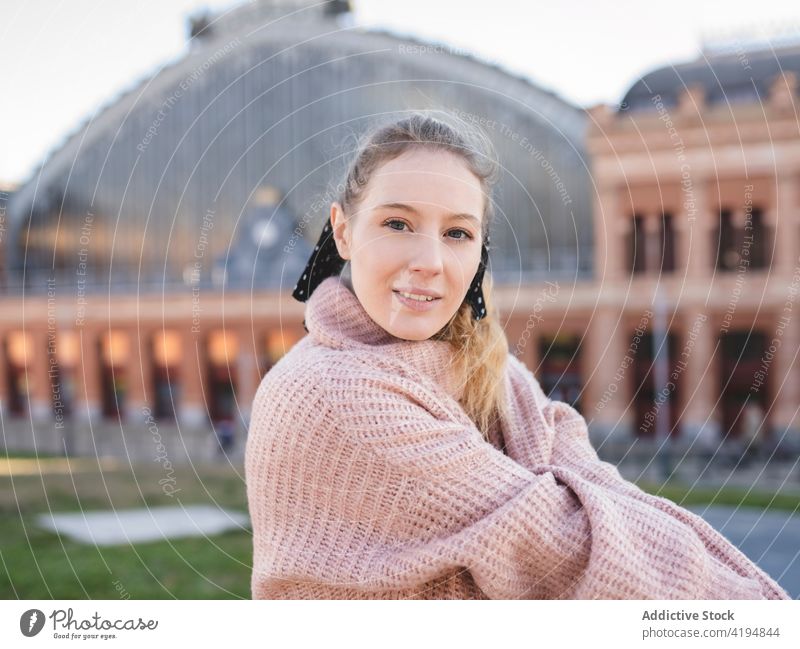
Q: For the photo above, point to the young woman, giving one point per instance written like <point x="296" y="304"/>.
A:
<point x="400" y="451"/>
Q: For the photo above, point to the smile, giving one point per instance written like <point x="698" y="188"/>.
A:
<point x="416" y="302"/>
<point x="415" y="296"/>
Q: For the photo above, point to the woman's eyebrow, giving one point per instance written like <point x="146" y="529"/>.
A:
<point x="410" y="208"/>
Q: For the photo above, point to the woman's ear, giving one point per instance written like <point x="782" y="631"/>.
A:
<point x="341" y="230"/>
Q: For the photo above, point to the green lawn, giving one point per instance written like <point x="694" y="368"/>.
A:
<point x="39" y="564"/>
<point x="685" y="495"/>
<point x="36" y="564"/>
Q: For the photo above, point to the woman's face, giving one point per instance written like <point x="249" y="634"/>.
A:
<point x="416" y="229"/>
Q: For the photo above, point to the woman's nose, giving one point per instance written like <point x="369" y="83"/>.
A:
<point x="428" y="254"/>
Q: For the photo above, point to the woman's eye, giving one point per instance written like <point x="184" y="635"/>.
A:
<point x="389" y="222"/>
<point x="466" y="234"/>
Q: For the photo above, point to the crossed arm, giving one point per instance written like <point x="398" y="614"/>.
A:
<point x="412" y="494"/>
<point x="572" y="450"/>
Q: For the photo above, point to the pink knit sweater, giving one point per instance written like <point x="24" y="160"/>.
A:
<point x="366" y="479"/>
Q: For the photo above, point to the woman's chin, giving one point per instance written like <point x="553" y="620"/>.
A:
<point x="411" y="332"/>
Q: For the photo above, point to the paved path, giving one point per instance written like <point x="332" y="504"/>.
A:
<point x="143" y="525"/>
<point x="770" y="538"/>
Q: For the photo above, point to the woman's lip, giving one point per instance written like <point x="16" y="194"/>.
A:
<point x="415" y="293"/>
<point x="416" y="305"/>
<point x="422" y="292"/>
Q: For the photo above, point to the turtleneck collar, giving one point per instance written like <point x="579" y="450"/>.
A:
<point x="336" y="318"/>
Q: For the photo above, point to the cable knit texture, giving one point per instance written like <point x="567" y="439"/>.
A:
<point x="367" y="480"/>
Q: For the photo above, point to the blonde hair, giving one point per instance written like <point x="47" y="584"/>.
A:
<point x="481" y="346"/>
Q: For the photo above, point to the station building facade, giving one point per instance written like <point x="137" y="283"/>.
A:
<point x="697" y="226"/>
<point x="645" y="262"/>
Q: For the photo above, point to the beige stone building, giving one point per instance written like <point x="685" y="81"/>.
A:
<point x="697" y="181"/>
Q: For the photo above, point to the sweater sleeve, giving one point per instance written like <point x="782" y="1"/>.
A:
<point x="572" y="449"/>
<point x="397" y="491"/>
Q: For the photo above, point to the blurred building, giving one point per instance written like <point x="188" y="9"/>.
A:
<point x="647" y="259"/>
<point x="151" y="256"/>
<point x="697" y="226"/>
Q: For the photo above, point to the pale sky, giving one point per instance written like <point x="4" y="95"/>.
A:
<point x="63" y="59"/>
